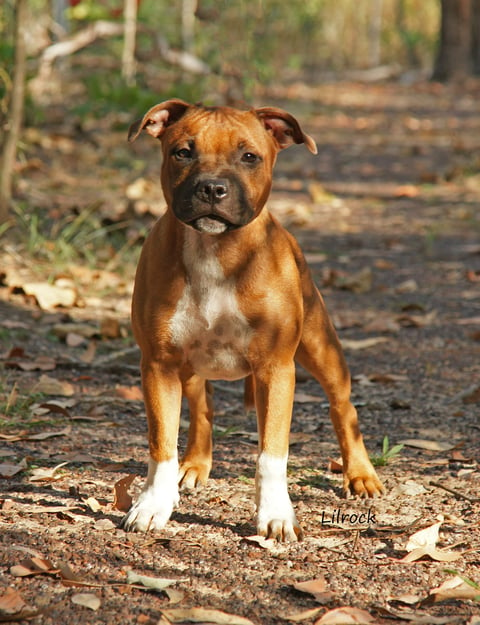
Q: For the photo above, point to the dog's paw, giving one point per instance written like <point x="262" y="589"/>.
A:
<point x="150" y="512"/>
<point x="284" y="530"/>
<point x="363" y="484"/>
<point x="192" y="474"/>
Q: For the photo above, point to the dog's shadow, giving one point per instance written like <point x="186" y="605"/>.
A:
<point x="187" y="518"/>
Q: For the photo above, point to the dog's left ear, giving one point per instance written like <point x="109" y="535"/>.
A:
<point x="284" y="128"/>
<point x="158" y="118"/>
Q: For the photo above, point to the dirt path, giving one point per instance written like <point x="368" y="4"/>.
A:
<point x="388" y="217"/>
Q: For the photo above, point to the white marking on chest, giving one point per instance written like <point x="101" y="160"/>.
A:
<point x="208" y="324"/>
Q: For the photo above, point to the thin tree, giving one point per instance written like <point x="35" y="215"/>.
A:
<point x="129" y="40"/>
<point x="15" y="116"/>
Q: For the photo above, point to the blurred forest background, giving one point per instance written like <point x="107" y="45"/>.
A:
<point x="79" y="61"/>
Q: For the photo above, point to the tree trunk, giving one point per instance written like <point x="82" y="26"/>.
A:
<point x="129" y="39"/>
<point x="375" y="32"/>
<point x="476" y="36"/>
<point x="15" y="108"/>
<point x="454" y="59"/>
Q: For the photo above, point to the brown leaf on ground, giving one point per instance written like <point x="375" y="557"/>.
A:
<point x="122" y="499"/>
<point x="51" y="296"/>
<point x="297" y="617"/>
<point x="13" y="608"/>
<point x="52" y="386"/>
<point x="42" y="436"/>
<point x="89" y="353"/>
<point x="11" y="602"/>
<point x="8" y="470"/>
<point x="33" y="566"/>
<point x="423" y="543"/>
<point x="131" y="393"/>
<point x="454" y="588"/>
<point x="110" y="328"/>
<point x="335" y="466"/>
<point x="317" y="588"/>
<point x="426" y="537"/>
<point x="93" y="504"/>
<point x="421" y="443"/>
<point x="46" y="474"/>
<point x="41" y="363"/>
<point x="439" y="555"/>
<point x="87" y="600"/>
<point x="345" y="616"/>
<point x="357" y="344"/>
<point x="58" y="407"/>
<point x="204" y="615"/>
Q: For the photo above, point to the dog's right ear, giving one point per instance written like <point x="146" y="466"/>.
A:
<point x="158" y="118"/>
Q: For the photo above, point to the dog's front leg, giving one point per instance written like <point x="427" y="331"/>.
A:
<point x="274" y="389"/>
<point x="163" y="395"/>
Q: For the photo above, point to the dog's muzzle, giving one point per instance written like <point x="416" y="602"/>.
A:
<point x="212" y="205"/>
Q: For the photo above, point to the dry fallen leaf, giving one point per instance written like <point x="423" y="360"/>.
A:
<point x="89" y="353"/>
<point x="131" y="393"/>
<point x="86" y="331"/>
<point x="46" y="475"/>
<point x="11" y="602"/>
<point x="87" y="600"/>
<point x="104" y="525"/>
<point x="454" y="588"/>
<point x="110" y="328"/>
<point x="317" y="588"/>
<point x="426" y="537"/>
<point x="41" y="363"/>
<point x="335" y="466"/>
<point x="52" y="386"/>
<point x="204" y="615"/>
<point x="49" y="296"/>
<point x="439" y="555"/>
<point x="153" y="583"/>
<point x="74" y="340"/>
<point x="122" y="499"/>
<point x="33" y="566"/>
<point x="305" y="398"/>
<point x="13" y="608"/>
<point x="59" y="406"/>
<point x="420" y="443"/>
<point x="423" y="543"/>
<point x="93" y="504"/>
<point x="357" y="344"/>
<point x="261" y="541"/>
<point x="345" y="616"/>
<point x="297" y="617"/>
<point x="8" y="470"/>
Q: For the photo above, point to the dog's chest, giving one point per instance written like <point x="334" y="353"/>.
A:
<point x="208" y="324"/>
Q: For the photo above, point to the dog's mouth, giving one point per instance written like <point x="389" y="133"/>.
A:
<point x="212" y="224"/>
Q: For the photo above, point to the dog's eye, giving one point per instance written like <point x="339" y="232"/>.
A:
<point x="249" y="157"/>
<point x="183" y="153"/>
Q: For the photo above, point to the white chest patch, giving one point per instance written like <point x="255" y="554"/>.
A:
<point x="208" y="324"/>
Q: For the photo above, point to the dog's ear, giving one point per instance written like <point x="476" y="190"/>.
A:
<point x="284" y="128"/>
<point x="158" y="118"/>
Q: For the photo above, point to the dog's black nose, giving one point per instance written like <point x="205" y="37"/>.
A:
<point x="212" y="190"/>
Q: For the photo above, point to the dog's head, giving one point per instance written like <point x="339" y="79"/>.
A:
<point x="218" y="161"/>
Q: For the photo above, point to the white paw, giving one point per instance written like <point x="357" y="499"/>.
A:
<point x="148" y="513"/>
<point x="155" y="504"/>
<point x="275" y="515"/>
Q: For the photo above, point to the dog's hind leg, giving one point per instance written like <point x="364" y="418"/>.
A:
<point x="197" y="461"/>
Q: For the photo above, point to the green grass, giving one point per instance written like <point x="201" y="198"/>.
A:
<point x="15" y="408"/>
<point x="73" y="238"/>
<point x="388" y="453"/>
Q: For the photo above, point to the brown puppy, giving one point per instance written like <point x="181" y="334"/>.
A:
<point x="223" y="291"/>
